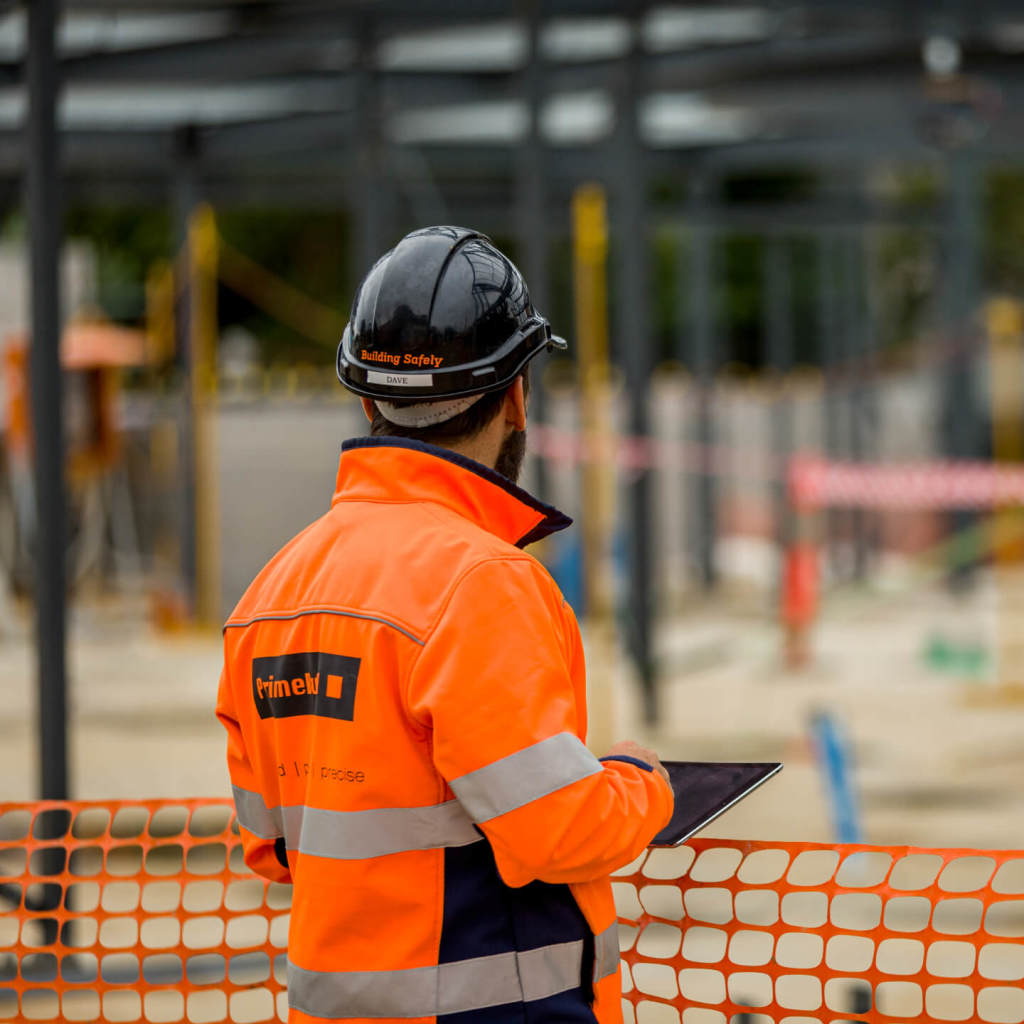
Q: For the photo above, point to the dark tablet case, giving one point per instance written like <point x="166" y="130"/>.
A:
<point x="704" y="789"/>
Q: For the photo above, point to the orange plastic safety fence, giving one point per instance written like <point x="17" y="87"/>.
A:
<point x="799" y="933"/>
<point x="126" y="911"/>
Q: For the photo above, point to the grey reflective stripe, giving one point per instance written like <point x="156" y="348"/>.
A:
<point x="526" y="775"/>
<point x="446" y="988"/>
<point x="287" y="616"/>
<point x="254" y="815"/>
<point x="550" y="969"/>
<point x="355" y="835"/>
<point x="606" y="952"/>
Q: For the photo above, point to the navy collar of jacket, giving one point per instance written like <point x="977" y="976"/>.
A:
<point x="399" y="469"/>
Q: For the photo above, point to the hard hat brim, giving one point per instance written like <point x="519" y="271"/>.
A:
<point x="396" y="380"/>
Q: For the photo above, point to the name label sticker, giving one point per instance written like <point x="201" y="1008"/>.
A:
<point x="400" y="380"/>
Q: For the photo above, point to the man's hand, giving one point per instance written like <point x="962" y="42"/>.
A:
<point x="627" y="748"/>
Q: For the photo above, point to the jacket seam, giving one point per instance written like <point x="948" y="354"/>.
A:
<point x="338" y="499"/>
<point x="456" y="583"/>
<point x="284" y="614"/>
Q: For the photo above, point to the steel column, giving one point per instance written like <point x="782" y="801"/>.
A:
<point x="701" y="360"/>
<point x="777" y="296"/>
<point x="185" y="198"/>
<point x="831" y="354"/>
<point x="960" y="421"/>
<point x="633" y="336"/>
<point x="43" y="202"/>
<point x="368" y="151"/>
<point x="856" y="387"/>
<point x="532" y="201"/>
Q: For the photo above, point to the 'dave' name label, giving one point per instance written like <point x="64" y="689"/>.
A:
<point x="401" y="380"/>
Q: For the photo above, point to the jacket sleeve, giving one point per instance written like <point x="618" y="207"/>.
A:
<point x="494" y="682"/>
<point x="261" y="835"/>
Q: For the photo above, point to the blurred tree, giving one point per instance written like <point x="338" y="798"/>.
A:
<point x="1004" y="228"/>
<point x="127" y="241"/>
<point x="670" y="304"/>
<point x="307" y="249"/>
<point x="742" y="343"/>
<point x="310" y="250"/>
<point x="907" y="265"/>
<point x="741" y="271"/>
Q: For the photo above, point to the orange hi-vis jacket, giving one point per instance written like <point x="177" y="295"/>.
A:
<point x="404" y="696"/>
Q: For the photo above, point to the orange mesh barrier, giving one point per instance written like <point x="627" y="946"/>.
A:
<point x="798" y="933"/>
<point x="124" y="911"/>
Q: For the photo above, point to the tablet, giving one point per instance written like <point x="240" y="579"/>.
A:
<point x="704" y="789"/>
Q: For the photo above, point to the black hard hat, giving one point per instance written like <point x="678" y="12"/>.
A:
<point x="440" y="315"/>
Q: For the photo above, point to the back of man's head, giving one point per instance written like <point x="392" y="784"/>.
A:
<point x="452" y="430"/>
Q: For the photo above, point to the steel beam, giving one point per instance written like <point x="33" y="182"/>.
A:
<point x="218" y="59"/>
<point x="43" y="201"/>
<point x="328" y="133"/>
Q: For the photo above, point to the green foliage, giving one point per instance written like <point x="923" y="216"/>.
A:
<point x="127" y="241"/>
<point x="310" y="251"/>
<point x="1004" y="229"/>
<point x="668" y="301"/>
<point x="906" y="263"/>
<point x="769" y="186"/>
<point x="307" y="249"/>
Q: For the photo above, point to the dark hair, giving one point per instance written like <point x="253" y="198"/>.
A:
<point x="459" y="428"/>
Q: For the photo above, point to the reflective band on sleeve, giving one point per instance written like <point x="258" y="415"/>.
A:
<point x="526" y="775"/>
<point x="254" y="815"/>
<point x="606" y="952"/>
<point x="355" y="835"/>
<point x="458" y="987"/>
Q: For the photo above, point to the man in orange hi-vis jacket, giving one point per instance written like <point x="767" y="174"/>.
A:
<point x="404" y="689"/>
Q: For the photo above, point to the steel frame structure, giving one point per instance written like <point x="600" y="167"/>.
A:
<point x="296" y="102"/>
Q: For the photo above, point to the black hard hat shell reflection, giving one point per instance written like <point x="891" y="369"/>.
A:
<point x="443" y="313"/>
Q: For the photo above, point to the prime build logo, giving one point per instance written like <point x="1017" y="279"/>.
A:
<point x="310" y="683"/>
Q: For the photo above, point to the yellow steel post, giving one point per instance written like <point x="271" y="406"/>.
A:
<point x="202" y="238"/>
<point x="1004" y="320"/>
<point x="160" y="313"/>
<point x="590" y="258"/>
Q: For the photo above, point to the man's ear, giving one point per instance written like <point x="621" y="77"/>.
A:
<point x="368" y="408"/>
<point x="515" y="405"/>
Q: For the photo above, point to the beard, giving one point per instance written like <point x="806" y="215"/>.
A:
<point x="510" y="458"/>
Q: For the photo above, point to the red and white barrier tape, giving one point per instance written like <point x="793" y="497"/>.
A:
<point x="635" y="454"/>
<point x="815" y="483"/>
